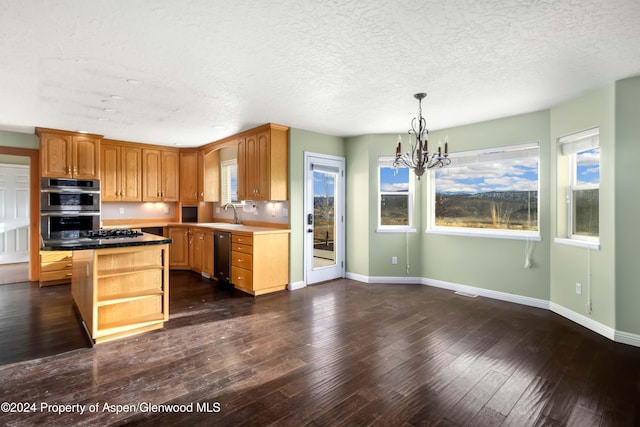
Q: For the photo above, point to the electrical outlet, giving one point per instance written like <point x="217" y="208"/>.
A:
<point x="121" y="211"/>
<point x="579" y="288"/>
<point x="285" y="212"/>
<point x="394" y="260"/>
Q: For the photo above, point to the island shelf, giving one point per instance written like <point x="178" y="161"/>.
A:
<point x="121" y="291"/>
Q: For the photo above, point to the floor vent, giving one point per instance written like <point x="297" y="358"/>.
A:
<point x="465" y="294"/>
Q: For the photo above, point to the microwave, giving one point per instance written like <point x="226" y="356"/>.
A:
<point x="62" y="195"/>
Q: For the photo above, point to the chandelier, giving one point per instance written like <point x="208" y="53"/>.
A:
<point x="419" y="159"/>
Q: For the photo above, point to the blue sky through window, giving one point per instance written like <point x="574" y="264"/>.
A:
<point x="392" y="182"/>
<point x="482" y="177"/>
<point x="323" y="184"/>
<point x="588" y="166"/>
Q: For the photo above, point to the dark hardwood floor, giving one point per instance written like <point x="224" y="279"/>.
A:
<point x="340" y="353"/>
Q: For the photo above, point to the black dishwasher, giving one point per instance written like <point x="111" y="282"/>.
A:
<point x="222" y="255"/>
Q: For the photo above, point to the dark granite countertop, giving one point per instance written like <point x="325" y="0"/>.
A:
<point x="84" y="243"/>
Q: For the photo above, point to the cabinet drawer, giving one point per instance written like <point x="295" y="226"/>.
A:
<point x="242" y="278"/>
<point x="56" y="266"/>
<point x="53" y="256"/>
<point x="47" y="276"/>
<point x="242" y="260"/>
<point x="242" y="239"/>
<point x="237" y="247"/>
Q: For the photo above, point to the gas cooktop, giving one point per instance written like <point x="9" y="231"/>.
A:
<point x="112" y="233"/>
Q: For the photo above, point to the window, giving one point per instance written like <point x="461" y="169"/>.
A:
<point x="490" y="192"/>
<point x="395" y="201"/>
<point x="582" y="153"/>
<point x="229" y="181"/>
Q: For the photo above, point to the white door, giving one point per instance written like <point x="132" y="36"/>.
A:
<point x="324" y="217"/>
<point x="14" y="213"/>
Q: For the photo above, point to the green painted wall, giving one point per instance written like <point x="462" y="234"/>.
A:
<point x="570" y="265"/>
<point x="19" y="140"/>
<point x="490" y="263"/>
<point x="357" y="226"/>
<point x="627" y="205"/>
<point x="374" y="259"/>
<point x="299" y="142"/>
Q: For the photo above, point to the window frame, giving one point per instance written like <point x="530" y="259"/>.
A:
<point x="572" y="159"/>
<point x="432" y="228"/>
<point x="387" y="162"/>
<point x="224" y="166"/>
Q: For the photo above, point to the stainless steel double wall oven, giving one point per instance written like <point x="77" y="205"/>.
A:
<point x="68" y="207"/>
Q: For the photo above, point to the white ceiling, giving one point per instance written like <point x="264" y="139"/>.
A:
<point x="336" y="67"/>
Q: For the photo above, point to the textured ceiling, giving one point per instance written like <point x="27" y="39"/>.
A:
<point x="336" y="67"/>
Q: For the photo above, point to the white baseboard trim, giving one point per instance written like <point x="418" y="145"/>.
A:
<point x="384" y="279"/>
<point x="296" y="285"/>
<point x="587" y="322"/>
<point x="627" y="338"/>
<point x="357" y="277"/>
<point x="582" y="320"/>
<point x="503" y="296"/>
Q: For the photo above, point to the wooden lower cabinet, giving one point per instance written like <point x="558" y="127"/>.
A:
<point x="179" y="258"/>
<point x="201" y="251"/>
<point x="121" y="291"/>
<point x="192" y="249"/>
<point x="260" y="262"/>
<point x="207" y="254"/>
<point x="55" y="267"/>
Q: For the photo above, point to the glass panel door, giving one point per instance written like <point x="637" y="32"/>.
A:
<point x="324" y="196"/>
<point x="324" y="217"/>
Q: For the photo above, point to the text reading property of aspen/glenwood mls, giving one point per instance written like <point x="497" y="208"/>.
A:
<point x="106" y="407"/>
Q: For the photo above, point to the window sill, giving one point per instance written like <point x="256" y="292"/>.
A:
<point x="396" y="230"/>
<point x="577" y="243"/>
<point x="487" y="234"/>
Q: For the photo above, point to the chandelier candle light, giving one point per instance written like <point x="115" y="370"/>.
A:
<point x="419" y="158"/>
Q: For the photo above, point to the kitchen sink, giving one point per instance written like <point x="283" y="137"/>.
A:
<point x="223" y="225"/>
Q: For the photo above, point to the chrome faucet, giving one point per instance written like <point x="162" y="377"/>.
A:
<point x="236" y="220"/>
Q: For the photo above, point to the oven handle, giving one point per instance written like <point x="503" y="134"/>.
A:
<point x="69" y="190"/>
<point x="71" y="213"/>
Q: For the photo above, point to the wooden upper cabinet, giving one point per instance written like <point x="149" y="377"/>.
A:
<point x="151" y="175"/>
<point x="170" y="177"/>
<point x="189" y="176"/>
<point x="131" y="174"/>
<point x="110" y="175"/>
<point x="120" y="172"/>
<point x="160" y="175"/>
<point x="69" y="154"/>
<point x="211" y="176"/>
<point x="245" y="189"/>
<point x="263" y="164"/>
<point x="85" y="157"/>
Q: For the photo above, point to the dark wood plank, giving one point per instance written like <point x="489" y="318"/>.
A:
<point x="340" y="353"/>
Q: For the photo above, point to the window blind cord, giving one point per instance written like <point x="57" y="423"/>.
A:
<point x="406" y="234"/>
<point x="528" y="250"/>
<point x="589" y="303"/>
<point x="528" y="246"/>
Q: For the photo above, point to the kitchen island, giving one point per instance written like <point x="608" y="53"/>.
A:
<point x="120" y="286"/>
